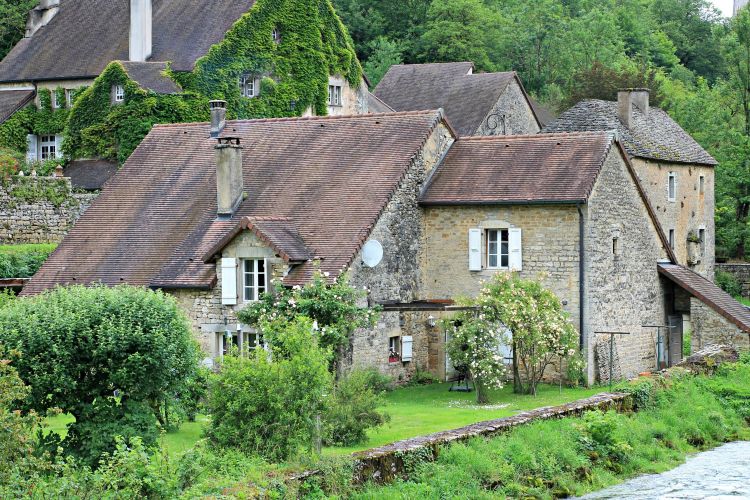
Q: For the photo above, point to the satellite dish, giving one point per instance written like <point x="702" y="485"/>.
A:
<point x="372" y="253"/>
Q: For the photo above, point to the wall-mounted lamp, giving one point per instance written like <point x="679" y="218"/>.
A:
<point x="431" y="321"/>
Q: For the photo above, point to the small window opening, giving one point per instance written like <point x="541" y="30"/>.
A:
<point x="119" y="92"/>
<point x="616" y="246"/>
<point x="394" y="349"/>
<point x="334" y="95"/>
<point x="276" y="35"/>
<point x="248" y="87"/>
<point x="702" y="184"/>
<point x="702" y="239"/>
<point x="671" y="239"/>
<point x="672" y="187"/>
<point x="55" y="103"/>
<point x="69" y="97"/>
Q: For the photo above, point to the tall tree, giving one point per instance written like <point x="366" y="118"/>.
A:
<point x="13" y="16"/>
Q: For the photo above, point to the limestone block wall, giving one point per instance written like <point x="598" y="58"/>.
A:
<point x="354" y="100"/>
<point x="623" y="288"/>
<point x="28" y="216"/>
<point x="690" y="212"/>
<point x="709" y="327"/>
<point x="511" y="115"/>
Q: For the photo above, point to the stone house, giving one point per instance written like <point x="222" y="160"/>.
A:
<point x="211" y="212"/>
<point x="475" y="103"/>
<point x="165" y="46"/>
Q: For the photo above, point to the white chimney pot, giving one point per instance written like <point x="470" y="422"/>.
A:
<point x="141" y="16"/>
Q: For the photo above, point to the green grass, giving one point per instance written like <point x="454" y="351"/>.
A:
<point x="414" y="411"/>
<point x="744" y="301"/>
<point x="23" y="261"/>
<point x="27" y="248"/>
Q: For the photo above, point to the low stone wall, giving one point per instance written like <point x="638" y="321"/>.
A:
<point x="387" y="463"/>
<point x="39" y="210"/>
<point x="741" y="272"/>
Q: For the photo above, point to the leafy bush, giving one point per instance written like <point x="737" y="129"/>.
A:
<point x="378" y="382"/>
<point x="267" y="405"/>
<point x="6" y="297"/>
<point x="9" y="163"/>
<point x="23" y="261"/>
<point x="598" y="439"/>
<point x="352" y="410"/>
<point x="728" y="283"/>
<point x="107" y="356"/>
<point x="423" y="377"/>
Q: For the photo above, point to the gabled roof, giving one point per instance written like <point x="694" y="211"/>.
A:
<point x="155" y="221"/>
<point x="90" y="175"/>
<point x="375" y="105"/>
<point x="655" y="136"/>
<point x="86" y="35"/>
<point x="279" y="233"/>
<point x="150" y="76"/>
<point x="560" y="168"/>
<point x="13" y="100"/>
<point x="708" y="293"/>
<point x="466" y="97"/>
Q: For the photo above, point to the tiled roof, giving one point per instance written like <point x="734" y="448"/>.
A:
<point x="86" y="35"/>
<point x="90" y="175"/>
<point x="375" y="105"/>
<point x="466" y="99"/>
<point x="150" y="76"/>
<point x="708" y="293"/>
<point x="519" y="169"/>
<point x="156" y="219"/>
<point x="543" y="114"/>
<point x="13" y="100"/>
<point x="655" y="136"/>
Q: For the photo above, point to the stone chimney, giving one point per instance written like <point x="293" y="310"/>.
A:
<point x="626" y="99"/>
<point x="41" y="15"/>
<point x="140" y="30"/>
<point x="218" y="117"/>
<point x="229" y="183"/>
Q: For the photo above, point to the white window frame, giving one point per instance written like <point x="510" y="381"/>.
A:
<point x="54" y="103"/>
<point x="276" y="35"/>
<point x="500" y="232"/>
<point x="335" y="93"/>
<point x="672" y="186"/>
<point x="252" y="293"/>
<point x="69" y="98"/>
<point x="118" y="94"/>
<point x="248" y="86"/>
<point x="672" y="239"/>
<point x="394" y="349"/>
<point x="48" y="142"/>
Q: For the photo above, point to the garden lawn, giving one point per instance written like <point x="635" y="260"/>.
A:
<point x="23" y="261"/>
<point x="414" y="411"/>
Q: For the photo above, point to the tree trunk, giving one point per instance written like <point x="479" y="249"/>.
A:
<point x="482" y="396"/>
<point x="517" y="385"/>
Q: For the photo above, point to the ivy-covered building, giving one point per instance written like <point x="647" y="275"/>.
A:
<point x="91" y="77"/>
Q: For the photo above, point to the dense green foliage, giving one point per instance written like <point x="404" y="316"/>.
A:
<point x="13" y="16"/>
<point x="332" y="306"/>
<point x="729" y="283"/>
<point x="107" y="356"/>
<point x="266" y="403"/>
<point x="561" y="458"/>
<point x="23" y="261"/>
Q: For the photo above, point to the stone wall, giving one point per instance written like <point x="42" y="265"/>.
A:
<point x="623" y="289"/>
<point x="709" y="327"/>
<point x="28" y="216"/>
<point x="353" y="100"/>
<point x="741" y="273"/>
<point x="690" y="212"/>
<point x="518" y="116"/>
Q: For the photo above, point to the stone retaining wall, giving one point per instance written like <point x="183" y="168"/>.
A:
<point x="741" y="272"/>
<point x="39" y="210"/>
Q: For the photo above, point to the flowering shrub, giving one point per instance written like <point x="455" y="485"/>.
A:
<point x="332" y="307"/>
<point x="9" y="164"/>
<point x="541" y="329"/>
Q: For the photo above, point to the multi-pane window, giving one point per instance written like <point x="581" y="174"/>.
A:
<point x="119" y="93"/>
<point x="253" y="279"/>
<point x="69" y="97"/>
<point x="55" y="102"/>
<point x="276" y="35"/>
<point x="394" y="349"/>
<point x="497" y="248"/>
<point x="47" y="147"/>
<point x="247" y="86"/>
<point x="334" y="95"/>
<point x="672" y="186"/>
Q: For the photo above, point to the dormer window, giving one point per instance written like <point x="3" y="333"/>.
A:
<point x="249" y="86"/>
<point x="276" y="35"/>
<point x="334" y="95"/>
<point x="69" y="98"/>
<point x="118" y="94"/>
<point x="253" y="279"/>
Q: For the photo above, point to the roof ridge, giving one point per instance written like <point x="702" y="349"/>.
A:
<point x="491" y="138"/>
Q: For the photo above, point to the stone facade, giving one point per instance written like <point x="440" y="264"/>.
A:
<point x="623" y="290"/>
<point x="511" y="115"/>
<point x="354" y="101"/>
<point x="31" y="217"/>
<point x="691" y="212"/>
<point x="711" y="328"/>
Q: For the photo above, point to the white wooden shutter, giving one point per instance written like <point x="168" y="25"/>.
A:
<point x="229" y="282"/>
<point x="58" y="146"/>
<point x="516" y="252"/>
<point x="31" y="148"/>
<point x="475" y="249"/>
<point x="406" y="348"/>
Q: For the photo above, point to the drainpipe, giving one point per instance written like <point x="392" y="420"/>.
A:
<point x="581" y="271"/>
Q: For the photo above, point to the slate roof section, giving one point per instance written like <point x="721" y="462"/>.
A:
<point x="655" y="136"/>
<point x="150" y="76"/>
<point x="156" y="219"/>
<point x="708" y="293"/>
<point x="375" y="105"/>
<point x="13" y="100"/>
<point x="560" y="168"/>
<point x="543" y="115"/>
<point x="86" y="35"/>
<point x="90" y="175"/>
<point x="466" y="98"/>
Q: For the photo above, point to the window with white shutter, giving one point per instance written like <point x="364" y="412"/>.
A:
<point x="58" y="146"/>
<point x="475" y="249"/>
<point x="32" y="153"/>
<point x="229" y="282"/>
<point x="516" y="252"/>
<point x="406" y="348"/>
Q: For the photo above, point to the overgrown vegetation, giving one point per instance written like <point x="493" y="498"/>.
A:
<point x="23" y="261"/>
<point x="729" y="283"/>
<point x="109" y="357"/>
